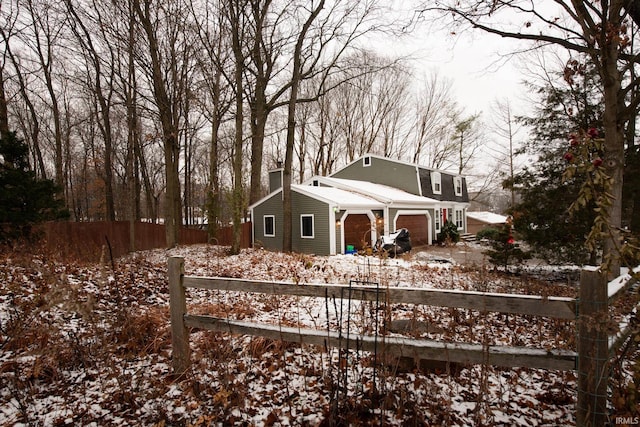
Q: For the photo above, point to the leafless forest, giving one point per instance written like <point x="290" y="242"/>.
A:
<point x="128" y="105"/>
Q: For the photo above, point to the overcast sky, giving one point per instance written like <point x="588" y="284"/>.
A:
<point x="479" y="65"/>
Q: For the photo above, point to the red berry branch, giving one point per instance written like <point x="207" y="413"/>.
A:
<point x="584" y="159"/>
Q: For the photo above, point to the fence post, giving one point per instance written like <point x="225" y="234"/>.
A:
<point x="178" y="308"/>
<point x="593" y="349"/>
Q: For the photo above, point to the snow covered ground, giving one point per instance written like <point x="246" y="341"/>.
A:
<point x="90" y="345"/>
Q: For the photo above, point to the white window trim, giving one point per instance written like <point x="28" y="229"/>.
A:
<point x="313" y="226"/>
<point x="436" y="178"/>
<point x="457" y="183"/>
<point x="264" y="225"/>
<point x="366" y="161"/>
<point x="459" y="221"/>
<point x="438" y="220"/>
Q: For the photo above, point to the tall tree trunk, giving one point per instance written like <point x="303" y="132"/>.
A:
<point x="133" y="135"/>
<point x="4" y="117"/>
<point x="259" y="106"/>
<point x="296" y="76"/>
<point x="213" y="195"/>
<point x="171" y="142"/>
<point x="614" y="133"/>
<point x="259" y="116"/>
<point x="235" y="16"/>
<point x="188" y="156"/>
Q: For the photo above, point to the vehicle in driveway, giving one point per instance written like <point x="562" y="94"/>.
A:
<point x="395" y="243"/>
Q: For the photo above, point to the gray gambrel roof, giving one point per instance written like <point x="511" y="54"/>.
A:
<point x="421" y="178"/>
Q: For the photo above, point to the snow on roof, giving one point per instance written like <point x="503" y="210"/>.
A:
<point x="342" y="198"/>
<point x="380" y="192"/>
<point x="487" y="217"/>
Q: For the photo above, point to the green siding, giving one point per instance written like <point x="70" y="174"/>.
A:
<point x="382" y="171"/>
<point x="270" y="206"/>
<point x="305" y="205"/>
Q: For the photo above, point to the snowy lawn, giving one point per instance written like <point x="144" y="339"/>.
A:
<point x="90" y="345"/>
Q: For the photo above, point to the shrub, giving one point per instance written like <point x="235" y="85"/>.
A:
<point x="449" y="233"/>
<point x="504" y="249"/>
<point x="489" y="233"/>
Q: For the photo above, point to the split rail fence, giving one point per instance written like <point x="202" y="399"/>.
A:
<point x="589" y="311"/>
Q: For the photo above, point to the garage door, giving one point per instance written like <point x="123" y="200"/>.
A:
<point x="418" y="226"/>
<point x="357" y="227"/>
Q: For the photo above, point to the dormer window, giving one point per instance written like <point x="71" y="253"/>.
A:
<point x="316" y="183"/>
<point x="457" y="182"/>
<point x="366" y="161"/>
<point x="436" y="182"/>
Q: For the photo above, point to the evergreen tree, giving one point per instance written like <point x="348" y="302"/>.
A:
<point x="24" y="199"/>
<point x="541" y="218"/>
<point x="504" y="249"/>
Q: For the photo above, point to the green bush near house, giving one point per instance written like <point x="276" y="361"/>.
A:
<point x="489" y="233"/>
<point x="449" y="233"/>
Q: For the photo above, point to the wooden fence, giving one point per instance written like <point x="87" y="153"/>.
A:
<point x="591" y="360"/>
<point x="88" y="240"/>
<point x="225" y="236"/>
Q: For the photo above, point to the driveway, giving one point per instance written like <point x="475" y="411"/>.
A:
<point x="464" y="253"/>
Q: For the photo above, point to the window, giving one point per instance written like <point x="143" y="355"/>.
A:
<point x="459" y="219"/>
<point x="269" y="226"/>
<point x="366" y="161"/>
<point x="436" y="182"/>
<point x="316" y="183"/>
<point x="457" y="182"/>
<point x="437" y="214"/>
<point x="306" y="226"/>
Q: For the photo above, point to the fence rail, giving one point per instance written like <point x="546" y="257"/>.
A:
<point x="590" y="311"/>
<point x="466" y="353"/>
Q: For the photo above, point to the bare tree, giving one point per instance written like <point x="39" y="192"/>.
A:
<point x="94" y="57"/>
<point x="468" y="138"/>
<point x="4" y="114"/>
<point x="32" y="125"/>
<point x="42" y="28"/>
<point x="235" y="13"/>
<point x="213" y="62"/>
<point x="297" y="74"/>
<point x="170" y="52"/>
<point x="264" y="52"/>
<point x="435" y="110"/>
<point x="504" y="152"/>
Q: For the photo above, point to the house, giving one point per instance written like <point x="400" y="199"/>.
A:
<point x="477" y="221"/>
<point x="352" y="207"/>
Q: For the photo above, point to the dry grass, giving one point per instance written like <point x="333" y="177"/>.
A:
<point x="98" y="339"/>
